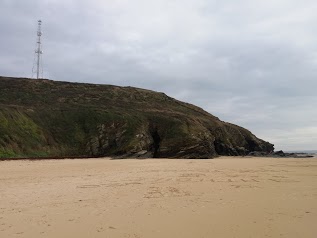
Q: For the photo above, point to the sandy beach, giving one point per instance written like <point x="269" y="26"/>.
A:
<point x="223" y="197"/>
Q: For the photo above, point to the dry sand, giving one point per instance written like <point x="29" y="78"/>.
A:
<point x="225" y="197"/>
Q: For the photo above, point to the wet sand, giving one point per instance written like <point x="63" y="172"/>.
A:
<point x="224" y="197"/>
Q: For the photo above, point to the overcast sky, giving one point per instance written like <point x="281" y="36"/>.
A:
<point x="249" y="62"/>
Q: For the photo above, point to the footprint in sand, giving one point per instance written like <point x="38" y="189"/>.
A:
<point x="89" y="186"/>
<point x="156" y="192"/>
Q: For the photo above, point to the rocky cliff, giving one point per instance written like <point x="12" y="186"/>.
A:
<point x="51" y="118"/>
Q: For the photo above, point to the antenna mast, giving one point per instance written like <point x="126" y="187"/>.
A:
<point x="38" y="51"/>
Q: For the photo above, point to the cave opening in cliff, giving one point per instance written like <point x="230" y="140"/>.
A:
<point x="156" y="143"/>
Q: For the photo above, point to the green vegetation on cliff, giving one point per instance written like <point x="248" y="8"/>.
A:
<point x="50" y="118"/>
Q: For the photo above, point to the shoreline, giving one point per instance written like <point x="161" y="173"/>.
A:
<point x="297" y="156"/>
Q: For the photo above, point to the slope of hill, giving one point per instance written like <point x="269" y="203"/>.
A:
<point x="51" y="118"/>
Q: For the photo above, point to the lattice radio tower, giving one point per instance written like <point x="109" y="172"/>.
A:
<point x="38" y="52"/>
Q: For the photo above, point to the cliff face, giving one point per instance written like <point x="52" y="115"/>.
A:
<point x="50" y="118"/>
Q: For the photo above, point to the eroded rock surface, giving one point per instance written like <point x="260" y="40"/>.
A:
<point x="51" y="118"/>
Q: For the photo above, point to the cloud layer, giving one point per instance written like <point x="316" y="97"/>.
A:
<point x="249" y="62"/>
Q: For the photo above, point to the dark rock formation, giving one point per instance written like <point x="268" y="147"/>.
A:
<point x="50" y="118"/>
<point x="280" y="154"/>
